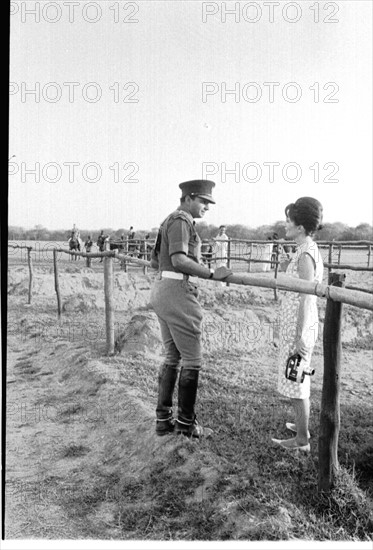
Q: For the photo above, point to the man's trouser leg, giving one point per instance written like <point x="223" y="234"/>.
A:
<point x="180" y="317"/>
<point x="186" y="423"/>
<point x="166" y="384"/>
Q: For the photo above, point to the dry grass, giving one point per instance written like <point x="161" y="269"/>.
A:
<point x="234" y="486"/>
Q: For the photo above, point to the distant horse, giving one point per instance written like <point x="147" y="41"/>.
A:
<point x="74" y="244"/>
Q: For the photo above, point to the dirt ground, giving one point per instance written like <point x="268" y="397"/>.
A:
<point x="80" y="425"/>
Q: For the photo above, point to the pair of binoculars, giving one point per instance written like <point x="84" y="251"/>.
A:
<point x="294" y="371"/>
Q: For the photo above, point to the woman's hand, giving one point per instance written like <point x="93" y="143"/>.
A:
<point x="302" y="348"/>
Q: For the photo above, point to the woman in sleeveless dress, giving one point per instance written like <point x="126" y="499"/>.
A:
<point x="299" y="316"/>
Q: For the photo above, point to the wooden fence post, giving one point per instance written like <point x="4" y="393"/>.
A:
<point x="29" y="261"/>
<point x="330" y="257"/>
<point x="339" y="254"/>
<point x="56" y="282"/>
<point x="109" y="303"/>
<point x="330" y="414"/>
<point x="249" y="262"/>
<point x="276" y="268"/>
<point x="229" y="256"/>
<point x="369" y="253"/>
<point x="144" y="248"/>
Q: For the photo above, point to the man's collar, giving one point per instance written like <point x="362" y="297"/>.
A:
<point x="187" y="213"/>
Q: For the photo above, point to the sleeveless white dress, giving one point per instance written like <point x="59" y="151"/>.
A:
<point x="288" y="319"/>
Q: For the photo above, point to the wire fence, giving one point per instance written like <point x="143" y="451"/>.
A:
<point x="242" y="255"/>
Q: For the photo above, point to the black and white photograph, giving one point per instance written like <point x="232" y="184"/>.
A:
<point x="187" y="324"/>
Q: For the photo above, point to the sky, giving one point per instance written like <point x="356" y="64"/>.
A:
<point x="271" y="101"/>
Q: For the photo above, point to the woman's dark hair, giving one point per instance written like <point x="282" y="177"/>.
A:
<point x="306" y="211"/>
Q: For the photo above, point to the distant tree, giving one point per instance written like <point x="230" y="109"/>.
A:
<point x="121" y="232"/>
<point x="332" y="231"/>
<point x="207" y="231"/>
<point x="236" y="231"/>
<point x="279" y="228"/>
<point x="40" y="233"/>
<point x="347" y="235"/>
<point x="16" y="233"/>
<point x="364" y="232"/>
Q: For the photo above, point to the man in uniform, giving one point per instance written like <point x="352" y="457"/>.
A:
<point x="174" y="299"/>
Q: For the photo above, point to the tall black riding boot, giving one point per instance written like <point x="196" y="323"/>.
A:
<point x="166" y="384"/>
<point x="186" y="423"/>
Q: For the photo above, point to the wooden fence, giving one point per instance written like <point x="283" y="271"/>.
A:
<point x="30" y="268"/>
<point x="278" y="249"/>
<point x="243" y="251"/>
<point x="335" y="295"/>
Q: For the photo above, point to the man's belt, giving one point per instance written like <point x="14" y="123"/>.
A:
<point x="180" y="276"/>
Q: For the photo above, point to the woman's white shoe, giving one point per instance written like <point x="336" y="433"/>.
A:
<point x="291" y="445"/>
<point x="292" y="427"/>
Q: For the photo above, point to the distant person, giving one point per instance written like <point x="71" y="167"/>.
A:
<point x="122" y="250"/>
<point x="206" y="252"/>
<point x="122" y="243"/>
<point x="74" y="234"/>
<point x="221" y="247"/>
<point x="101" y="240"/>
<point x="74" y="241"/>
<point x="145" y="248"/>
<point x="112" y="241"/>
<point x="299" y="312"/>
<point x="130" y="240"/>
<point x="75" y="231"/>
<point x="148" y="247"/>
<point x="266" y="254"/>
<point x="88" y="246"/>
<point x="275" y="250"/>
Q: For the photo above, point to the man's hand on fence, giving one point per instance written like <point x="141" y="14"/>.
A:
<point x="222" y="273"/>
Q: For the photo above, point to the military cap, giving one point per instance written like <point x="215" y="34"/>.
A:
<point x="198" y="188"/>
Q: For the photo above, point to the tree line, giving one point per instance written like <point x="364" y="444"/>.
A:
<point x="331" y="231"/>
